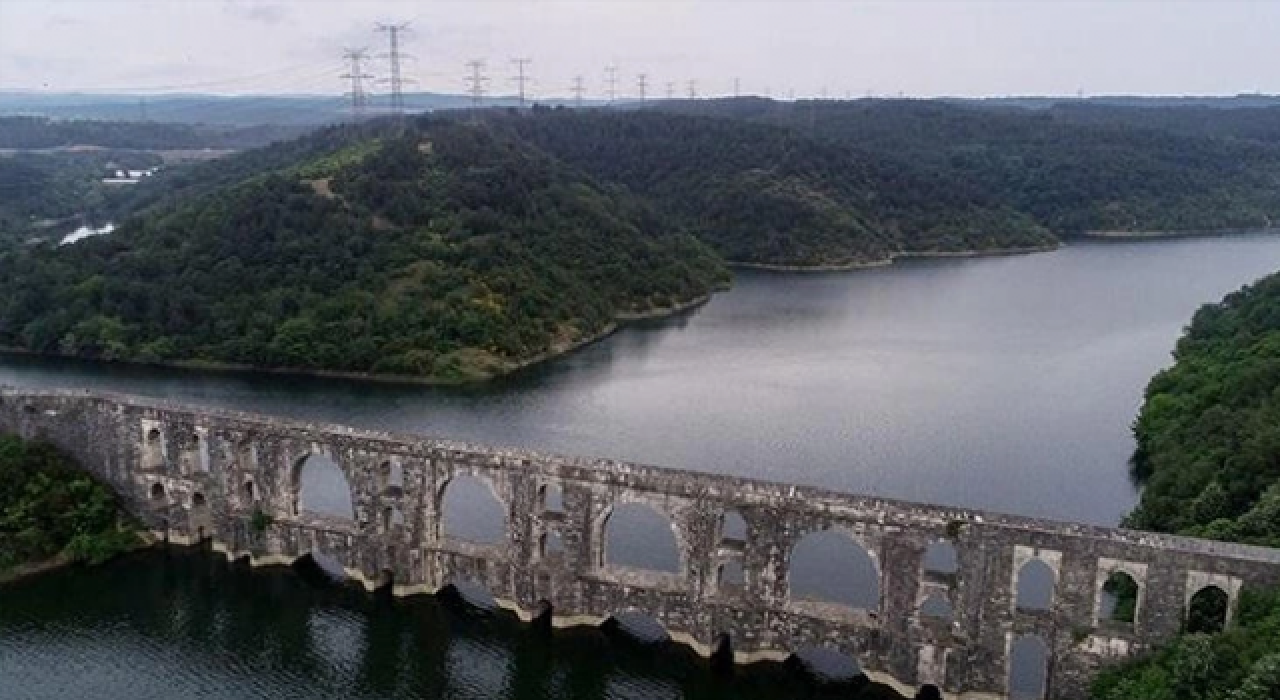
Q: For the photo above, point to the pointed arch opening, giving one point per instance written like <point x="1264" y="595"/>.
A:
<point x="153" y="450"/>
<point x="830" y="567"/>
<point x="1119" y="598"/>
<point x="1035" y="586"/>
<point x="730" y="576"/>
<point x="733" y="527"/>
<point x="323" y="489"/>
<point x="639" y="537"/>
<point x="392" y="477"/>
<point x="1207" y="611"/>
<point x="393" y="519"/>
<point x="1028" y="668"/>
<point x="826" y="665"/>
<point x="249" y="491"/>
<point x="470" y="594"/>
<point x="550" y="545"/>
<point x="637" y="626"/>
<point x="201" y="449"/>
<point x="471" y="512"/>
<point x="937" y="607"/>
<point x="157" y="491"/>
<point x="551" y="497"/>
<point x="940" y="559"/>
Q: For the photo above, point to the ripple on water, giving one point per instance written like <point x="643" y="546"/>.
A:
<point x="176" y="623"/>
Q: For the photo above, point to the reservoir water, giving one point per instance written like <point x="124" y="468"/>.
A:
<point x="1000" y="383"/>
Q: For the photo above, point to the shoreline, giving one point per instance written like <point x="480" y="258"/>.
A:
<point x="895" y="257"/>
<point x="32" y="569"/>
<point x="621" y="318"/>
<point x="60" y="560"/>
<point x="1163" y="235"/>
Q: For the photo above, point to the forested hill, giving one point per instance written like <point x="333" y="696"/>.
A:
<point x="1208" y="434"/>
<point x="1208" y="459"/>
<point x="1073" y="169"/>
<point x="767" y="195"/>
<point x="436" y="249"/>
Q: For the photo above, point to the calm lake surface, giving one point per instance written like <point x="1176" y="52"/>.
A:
<point x="1000" y="383"/>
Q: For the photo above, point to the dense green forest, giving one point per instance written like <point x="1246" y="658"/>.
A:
<point x="1261" y="123"/>
<point x="51" y="170"/>
<point x="1242" y="663"/>
<point x="434" y="249"/>
<point x="50" y="508"/>
<point x="44" y="194"/>
<point x="450" y="248"/>
<point x="1208" y="458"/>
<point x="1208" y="435"/>
<point x="822" y="183"/>
<point x="1073" y="169"/>
<point x="763" y="194"/>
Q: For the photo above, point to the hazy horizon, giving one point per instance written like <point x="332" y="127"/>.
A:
<point x="925" y="48"/>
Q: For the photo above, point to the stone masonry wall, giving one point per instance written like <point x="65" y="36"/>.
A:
<point x="192" y="474"/>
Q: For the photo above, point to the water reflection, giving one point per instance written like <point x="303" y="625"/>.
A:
<point x="181" y="623"/>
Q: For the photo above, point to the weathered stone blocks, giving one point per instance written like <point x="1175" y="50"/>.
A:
<point x="233" y="477"/>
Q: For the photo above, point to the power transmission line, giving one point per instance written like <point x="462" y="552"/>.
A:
<point x="693" y="89"/>
<point x="578" y="89"/>
<point x="394" y="31"/>
<point x="223" y="82"/>
<point x="737" y="87"/>
<point x="671" y="91"/>
<point x="476" y="81"/>
<point x="520" y="78"/>
<point x="642" y="83"/>
<point x="612" y="71"/>
<point x="355" y="73"/>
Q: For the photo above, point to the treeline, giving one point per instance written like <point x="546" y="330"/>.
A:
<point x="1073" y="170"/>
<point x="436" y="250"/>
<point x="1254" y="123"/>
<point x="46" y="133"/>
<point x="50" y="508"/>
<point x="1208" y="459"/>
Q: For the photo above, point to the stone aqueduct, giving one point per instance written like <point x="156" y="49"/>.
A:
<point x="192" y="474"/>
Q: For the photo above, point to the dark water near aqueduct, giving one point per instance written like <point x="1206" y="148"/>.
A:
<point x="1003" y="383"/>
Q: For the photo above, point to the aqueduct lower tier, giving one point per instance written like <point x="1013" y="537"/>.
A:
<point x="194" y="473"/>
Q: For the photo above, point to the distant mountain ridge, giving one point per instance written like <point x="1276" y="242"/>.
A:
<point x="1072" y="169"/>
<point x="315" y="110"/>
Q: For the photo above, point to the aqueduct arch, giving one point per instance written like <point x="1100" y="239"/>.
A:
<point x="251" y="492"/>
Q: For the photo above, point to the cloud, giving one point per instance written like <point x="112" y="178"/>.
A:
<point x="257" y="11"/>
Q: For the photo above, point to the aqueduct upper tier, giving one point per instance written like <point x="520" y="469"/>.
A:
<point x="945" y="609"/>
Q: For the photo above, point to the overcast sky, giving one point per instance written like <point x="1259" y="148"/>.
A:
<point x="916" y="47"/>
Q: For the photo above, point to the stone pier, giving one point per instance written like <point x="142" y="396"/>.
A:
<point x="193" y="474"/>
